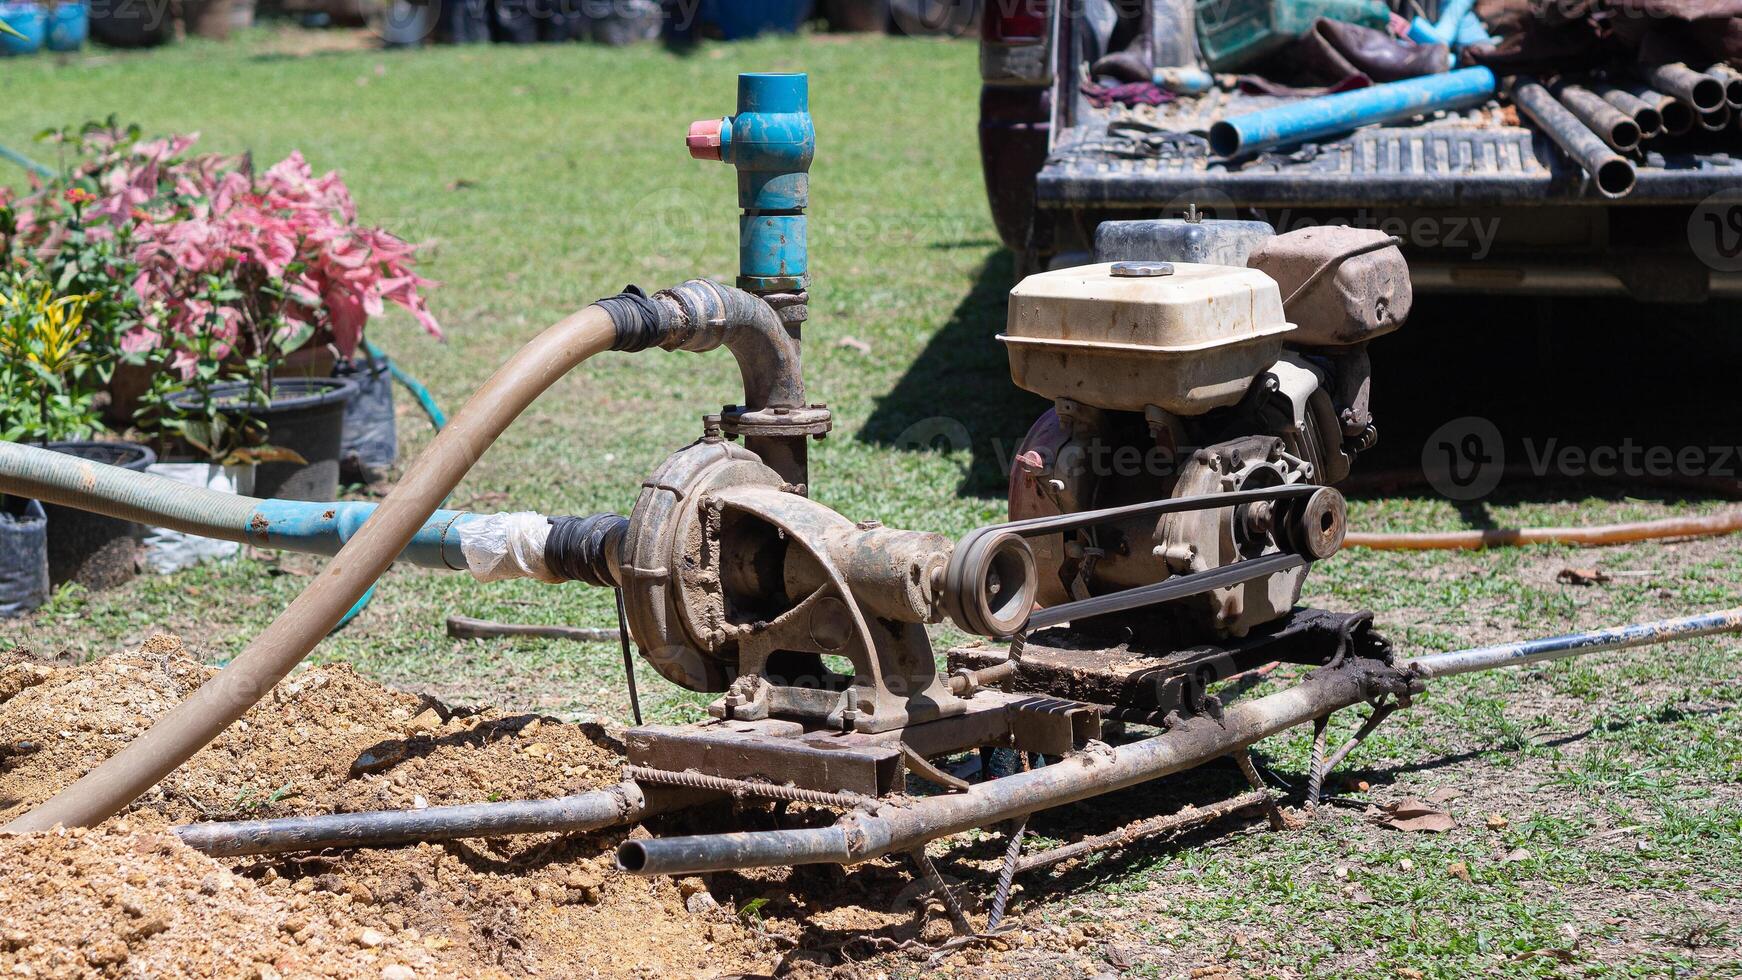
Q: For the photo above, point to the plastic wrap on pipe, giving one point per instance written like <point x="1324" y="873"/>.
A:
<point x="507" y="546"/>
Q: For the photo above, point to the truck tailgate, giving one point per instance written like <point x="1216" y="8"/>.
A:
<point x="1147" y="156"/>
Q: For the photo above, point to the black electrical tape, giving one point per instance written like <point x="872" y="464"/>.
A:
<point x="578" y="548"/>
<point x="636" y="317"/>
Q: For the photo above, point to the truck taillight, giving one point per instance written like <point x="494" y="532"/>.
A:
<point x="1015" y="21"/>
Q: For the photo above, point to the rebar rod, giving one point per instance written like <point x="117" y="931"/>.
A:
<point x="1007" y="873"/>
<point x="1272" y="812"/>
<point x="740" y="787"/>
<point x="1129" y="834"/>
<point x="935" y="882"/>
<point x="1379" y="714"/>
<point x="1316" y="765"/>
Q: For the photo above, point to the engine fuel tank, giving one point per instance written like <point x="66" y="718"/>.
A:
<point x="1184" y="337"/>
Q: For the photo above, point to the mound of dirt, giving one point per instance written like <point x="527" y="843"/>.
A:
<point x="118" y="902"/>
<point x="325" y="740"/>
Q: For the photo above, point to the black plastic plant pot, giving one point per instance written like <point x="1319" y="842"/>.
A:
<point x="306" y="416"/>
<point x="95" y="551"/>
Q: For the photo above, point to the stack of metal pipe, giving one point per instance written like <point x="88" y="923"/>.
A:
<point x="1605" y="126"/>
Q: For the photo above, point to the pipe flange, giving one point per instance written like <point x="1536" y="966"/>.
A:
<point x="662" y="559"/>
<point x="812" y="420"/>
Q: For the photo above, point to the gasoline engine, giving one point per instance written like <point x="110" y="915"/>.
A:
<point x="1173" y="380"/>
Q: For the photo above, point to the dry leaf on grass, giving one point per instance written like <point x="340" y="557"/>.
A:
<point x="1582" y="576"/>
<point x="1413" y="815"/>
<point x="854" y="343"/>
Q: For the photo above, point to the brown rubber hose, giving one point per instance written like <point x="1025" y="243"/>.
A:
<point x="1710" y="525"/>
<point x="187" y="728"/>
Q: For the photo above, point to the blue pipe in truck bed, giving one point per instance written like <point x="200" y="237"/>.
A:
<point x="1330" y="115"/>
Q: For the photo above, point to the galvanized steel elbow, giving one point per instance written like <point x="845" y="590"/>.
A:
<point x="701" y="314"/>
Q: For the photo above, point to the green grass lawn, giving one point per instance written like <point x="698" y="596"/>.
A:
<point x="544" y="177"/>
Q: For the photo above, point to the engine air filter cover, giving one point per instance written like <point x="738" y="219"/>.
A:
<point x="1186" y="342"/>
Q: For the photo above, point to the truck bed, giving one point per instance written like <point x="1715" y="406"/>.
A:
<point x="1147" y="156"/>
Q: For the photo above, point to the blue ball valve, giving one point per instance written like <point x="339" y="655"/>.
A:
<point x="771" y="142"/>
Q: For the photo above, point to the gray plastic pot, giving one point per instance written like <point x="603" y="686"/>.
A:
<point x="371" y="441"/>
<point x="305" y="416"/>
<point x="23" y="557"/>
<point x="95" y="551"/>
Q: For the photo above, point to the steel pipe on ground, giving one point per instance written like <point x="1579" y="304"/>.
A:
<point x="1577" y="644"/>
<point x="893" y="829"/>
<point x="620" y="804"/>
<point x="897" y="829"/>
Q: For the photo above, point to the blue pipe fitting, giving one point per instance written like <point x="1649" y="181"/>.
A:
<point x="771" y="142"/>
<point x="323" y="528"/>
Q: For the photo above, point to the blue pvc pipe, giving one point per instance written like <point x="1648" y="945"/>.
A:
<point x="1330" y="115"/>
<point x="323" y="528"/>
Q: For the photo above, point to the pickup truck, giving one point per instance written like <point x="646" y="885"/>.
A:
<point x="1485" y="203"/>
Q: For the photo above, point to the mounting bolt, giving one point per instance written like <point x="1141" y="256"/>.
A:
<point x="868" y="525"/>
<point x="711" y="431"/>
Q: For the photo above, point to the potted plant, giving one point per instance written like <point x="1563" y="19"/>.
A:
<point x="219" y="299"/>
<point x="254" y="285"/>
<point x="49" y="389"/>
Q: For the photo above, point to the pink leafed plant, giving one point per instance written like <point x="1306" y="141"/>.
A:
<point x="288" y="245"/>
<point x="227" y="263"/>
